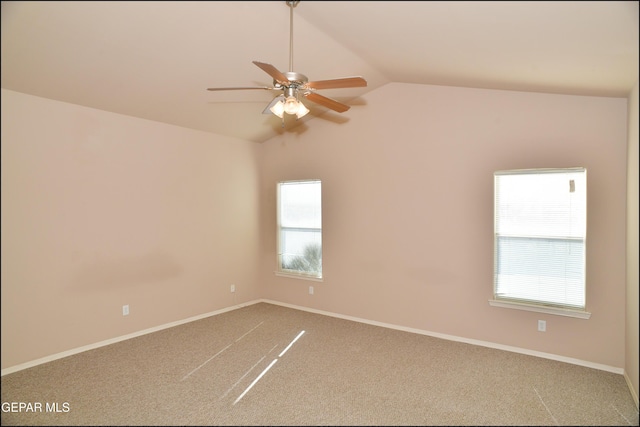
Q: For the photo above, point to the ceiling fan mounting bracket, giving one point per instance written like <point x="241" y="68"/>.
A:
<point x="292" y="3"/>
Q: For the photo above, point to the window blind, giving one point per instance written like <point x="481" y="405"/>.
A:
<point x="300" y="227"/>
<point x="540" y="236"/>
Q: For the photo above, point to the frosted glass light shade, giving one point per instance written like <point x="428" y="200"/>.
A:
<point x="302" y="110"/>
<point x="278" y="109"/>
<point x="291" y="105"/>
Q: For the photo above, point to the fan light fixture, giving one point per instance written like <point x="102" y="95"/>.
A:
<point x="290" y="105"/>
<point x="294" y="85"/>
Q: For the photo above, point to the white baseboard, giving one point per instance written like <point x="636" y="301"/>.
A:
<point x="573" y="361"/>
<point x="326" y="313"/>
<point x="633" y="392"/>
<point x="77" y="350"/>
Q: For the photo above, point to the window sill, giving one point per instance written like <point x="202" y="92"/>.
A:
<point x="298" y="276"/>
<point x="541" y="309"/>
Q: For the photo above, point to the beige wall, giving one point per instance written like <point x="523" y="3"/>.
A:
<point x="101" y="210"/>
<point x="632" y="359"/>
<point x="408" y="211"/>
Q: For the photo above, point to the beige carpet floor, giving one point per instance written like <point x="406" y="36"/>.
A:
<point x="266" y="364"/>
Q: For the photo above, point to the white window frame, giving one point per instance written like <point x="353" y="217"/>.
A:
<point x="530" y="303"/>
<point x="280" y="270"/>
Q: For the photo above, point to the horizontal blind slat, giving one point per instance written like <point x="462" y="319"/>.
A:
<point x="540" y="234"/>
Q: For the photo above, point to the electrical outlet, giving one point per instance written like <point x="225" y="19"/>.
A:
<point x="310" y="290"/>
<point x="542" y="325"/>
<point x="233" y="288"/>
<point x="125" y="310"/>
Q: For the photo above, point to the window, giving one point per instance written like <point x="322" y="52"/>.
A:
<point x="300" y="228"/>
<point x="540" y="223"/>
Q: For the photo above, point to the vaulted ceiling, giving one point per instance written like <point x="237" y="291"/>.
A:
<point x="155" y="59"/>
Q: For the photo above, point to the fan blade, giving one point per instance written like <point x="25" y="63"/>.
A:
<point x="273" y="72"/>
<point x="337" y="83"/>
<point x="243" y="88"/>
<point x="327" y="102"/>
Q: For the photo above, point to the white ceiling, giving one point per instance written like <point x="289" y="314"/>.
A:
<point x="155" y="59"/>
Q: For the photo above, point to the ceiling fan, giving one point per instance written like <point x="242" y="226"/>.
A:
<point x="294" y="85"/>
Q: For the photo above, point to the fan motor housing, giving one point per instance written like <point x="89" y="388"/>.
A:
<point x="295" y="79"/>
